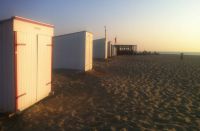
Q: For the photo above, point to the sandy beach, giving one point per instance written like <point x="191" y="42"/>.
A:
<point x="124" y="93"/>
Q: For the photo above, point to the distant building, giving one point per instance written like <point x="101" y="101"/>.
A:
<point x="123" y="49"/>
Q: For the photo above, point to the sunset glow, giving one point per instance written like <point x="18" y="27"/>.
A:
<point x="154" y="25"/>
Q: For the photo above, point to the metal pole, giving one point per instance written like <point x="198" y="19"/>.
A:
<point x="105" y="32"/>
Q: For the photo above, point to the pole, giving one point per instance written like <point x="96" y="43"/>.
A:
<point x="115" y="40"/>
<point x="105" y="32"/>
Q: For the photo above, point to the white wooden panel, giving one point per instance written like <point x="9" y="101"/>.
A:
<point x="109" y="49"/>
<point x="26" y="69"/>
<point x="100" y="48"/>
<point x="106" y="49"/>
<point x="69" y="51"/>
<point x="44" y="66"/>
<point x="113" y="50"/>
<point x="31" y="27"/>
<point x="88" y="51"/>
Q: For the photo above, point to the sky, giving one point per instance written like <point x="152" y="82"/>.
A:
<point x="154" y="25"/>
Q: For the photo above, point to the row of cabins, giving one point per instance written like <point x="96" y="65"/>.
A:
<point x="27" y="56"/>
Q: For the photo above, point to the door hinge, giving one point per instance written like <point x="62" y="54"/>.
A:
<point x="20" y="95"/>
<point x="49" y="83"/>
<point x="21" y="44"/>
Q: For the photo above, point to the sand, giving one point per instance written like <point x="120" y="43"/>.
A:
<point x="121" y="94"/>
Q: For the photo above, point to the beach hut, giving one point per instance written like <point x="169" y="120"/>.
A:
<point x="73" y="51"/>
<point x="113" y="50"/>
<point x="100" y="48"/>
<point x="25" y="63"/>
<point x="109" y="50"/>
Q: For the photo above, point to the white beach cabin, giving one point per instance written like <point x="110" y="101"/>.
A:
<point x="113" y="50"/>
<point x="73" y="51"/>
<point x="100" y="48"/>
<point x="25" y="63"/>
<point x="109" y="50"/>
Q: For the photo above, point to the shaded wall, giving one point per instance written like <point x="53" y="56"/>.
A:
<point x="100" y="48"/>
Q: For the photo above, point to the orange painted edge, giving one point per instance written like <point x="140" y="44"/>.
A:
<point x="51" y="62"/>
<point x="15" y="71"/>
<point x="32" y="21"/>
<point x="27" y="20"/>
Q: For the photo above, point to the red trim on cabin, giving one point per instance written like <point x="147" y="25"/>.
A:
<point x="27" y="20"/>
<point x="32" y="21"/>
<point x="15" y="71"/>
<point x="51" y="61"/>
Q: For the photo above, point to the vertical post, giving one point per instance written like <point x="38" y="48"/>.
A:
<point x="15" y="71"/>
<point x="181" y="56"/>
<point x="105" y="32"/>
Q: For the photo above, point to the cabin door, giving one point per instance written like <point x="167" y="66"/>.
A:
<point x="26" y="69"/>
<point x="44" y="66"/>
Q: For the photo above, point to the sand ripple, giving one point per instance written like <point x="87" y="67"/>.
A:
<point x="124" y="93"/>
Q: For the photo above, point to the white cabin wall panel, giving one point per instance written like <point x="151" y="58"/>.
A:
<point x="26" y="69"/>
<point x="7" y="91"/>
<point x="88" y="51"/>
<point x="106" y="49"/>
<point x="100" y="48"/>
<point x="113" y="50"/>
<point x="32" y="28"/>
<point x="91" y="51"/>
<point x="109" y="49"/>
<point x="69" y="51"/>
<point x="44" y="66"/>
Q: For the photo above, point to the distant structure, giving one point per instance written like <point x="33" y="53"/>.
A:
<point x="105" y="31"/>
<point x="115" y="40"/>
<point x="181" y="56"/>
<point x="123" y="49"/>
<point x="111" y="49"/>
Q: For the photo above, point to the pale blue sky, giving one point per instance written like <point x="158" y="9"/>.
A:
<point x="161" y="25"/>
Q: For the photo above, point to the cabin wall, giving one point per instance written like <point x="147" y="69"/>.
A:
<point x="69" y="51"/>
<point x="22" y="26"/>
<point x="113" y="50"/>
<point x="88" y="51"/>
<point x="100" y="48"/>
<point x="7" y="90"/>
<point x="109" y="49"/>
